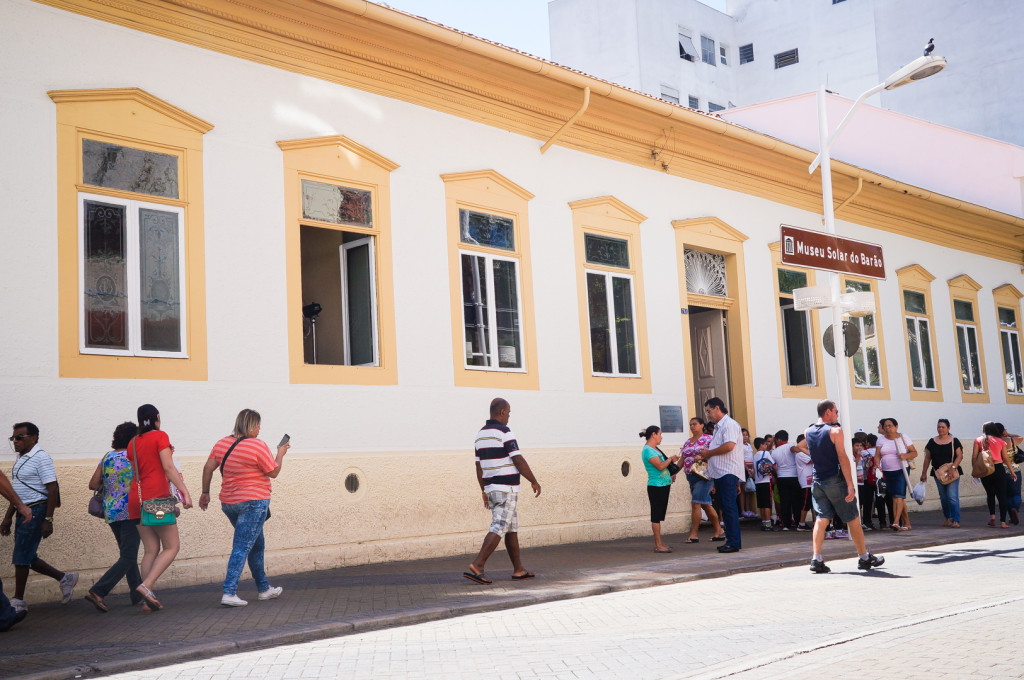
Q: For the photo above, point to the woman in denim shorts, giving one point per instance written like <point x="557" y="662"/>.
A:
<point x="700" y="488"/>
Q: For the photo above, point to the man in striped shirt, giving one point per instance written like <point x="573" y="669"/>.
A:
<point x="725" y="466"/>
<point x="499" y="463"/>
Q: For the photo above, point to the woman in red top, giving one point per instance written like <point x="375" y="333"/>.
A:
<point x="150" y="451"/>
<point x="996" y="483"/>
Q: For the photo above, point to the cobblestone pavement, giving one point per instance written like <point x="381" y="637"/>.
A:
<point x="946" y="612"/>
<point x="76" y="641"/>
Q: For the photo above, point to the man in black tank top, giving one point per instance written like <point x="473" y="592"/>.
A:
<point x="834" y="490"/>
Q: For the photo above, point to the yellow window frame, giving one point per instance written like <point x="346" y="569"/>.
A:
<point x="490" y="192"/>
<point x="965" y="289"/>
<point x="1008" y="296"/>
<point x="881" y="393"/>
<point x="135" y="118"/>
<point x="819" y="389"/>
<point x="608" y="216"/>
<point x="917" y="279"/>
<point x="338" y="160"/>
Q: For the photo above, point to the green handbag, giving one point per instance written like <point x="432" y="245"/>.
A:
<point x="157" y="511"/>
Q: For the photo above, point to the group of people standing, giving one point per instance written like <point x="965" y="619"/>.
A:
<point x="711" y="461"/>
<point x="139" y="487"/>
<point x="783" y="475"/>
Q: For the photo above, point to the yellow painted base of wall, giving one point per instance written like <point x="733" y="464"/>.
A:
<point x="409" y="506"/>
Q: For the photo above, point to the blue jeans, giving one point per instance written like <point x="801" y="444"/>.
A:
<point x="27" y="535"/>
<point x="1014" y="493"/>
<point x="126" y="534"/>
<point x="949" y="498"/>
<point x="6" y="610"/>
<point x="247" y="518"/>
<point x="725" y="489"/>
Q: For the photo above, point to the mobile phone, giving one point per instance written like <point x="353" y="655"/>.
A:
<point x="284" y="440"/>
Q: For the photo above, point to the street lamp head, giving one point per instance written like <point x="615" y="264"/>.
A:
<point x="920" y="68"/>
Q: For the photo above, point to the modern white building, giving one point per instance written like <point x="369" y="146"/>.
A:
<point x="684" y="51"/>
<point x="180" y="181"/>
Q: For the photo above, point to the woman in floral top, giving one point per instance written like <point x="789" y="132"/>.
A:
<point x="114" y="476"/>
<point x="700" y="488"/>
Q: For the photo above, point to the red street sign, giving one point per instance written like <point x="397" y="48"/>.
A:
<point x="818" y="250"/>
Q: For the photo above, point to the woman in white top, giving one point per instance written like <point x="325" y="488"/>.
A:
<point x="891" y="453"/>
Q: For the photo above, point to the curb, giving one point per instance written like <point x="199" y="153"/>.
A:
<point x="371" y="622"/>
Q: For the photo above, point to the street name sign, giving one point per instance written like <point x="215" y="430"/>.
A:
<point x="818" y="250"/>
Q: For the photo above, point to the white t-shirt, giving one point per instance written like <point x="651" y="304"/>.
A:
<point x="785" y="458"/>
<point x="804" y="469"/>
<point x="748" y="456"/>
<point x="763" y="463"/>
<point x="892" y="449"/>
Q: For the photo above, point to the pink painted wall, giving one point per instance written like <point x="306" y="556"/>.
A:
<point x="958" y="164"/>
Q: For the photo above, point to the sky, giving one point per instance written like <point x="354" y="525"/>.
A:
<point x="522" y="24"/>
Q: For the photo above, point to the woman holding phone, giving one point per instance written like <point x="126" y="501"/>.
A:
<point x="246" y="466"/>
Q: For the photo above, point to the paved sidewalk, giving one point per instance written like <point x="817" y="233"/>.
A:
<point x="77" y="641"/>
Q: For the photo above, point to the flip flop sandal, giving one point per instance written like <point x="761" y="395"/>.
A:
<point x="480" y="578"/>
<point x="149" y="597"/>
<point x="666" y="550"/>
<point x="97" y="602"/>
<point x="718" y="538"/>
<point x="523" y="577"/>
<point x="692" y="540"/>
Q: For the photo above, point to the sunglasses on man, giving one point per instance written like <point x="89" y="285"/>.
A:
<point x="18" y="437"/>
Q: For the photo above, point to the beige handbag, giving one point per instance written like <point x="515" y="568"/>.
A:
<point x="700" y="468"/>
<point x="946" y="474"/>
<point x="982" y="464"/>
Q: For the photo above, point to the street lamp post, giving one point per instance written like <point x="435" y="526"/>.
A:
<point x="922" y="67"/>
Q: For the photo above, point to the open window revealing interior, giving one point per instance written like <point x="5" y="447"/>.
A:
<point x="339" y="275"/>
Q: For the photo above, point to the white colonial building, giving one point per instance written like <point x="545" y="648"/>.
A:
<point x="687" y="52"/>
<point x="182" y="181"/>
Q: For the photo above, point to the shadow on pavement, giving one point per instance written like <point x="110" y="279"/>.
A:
<point x="76" y="641"/>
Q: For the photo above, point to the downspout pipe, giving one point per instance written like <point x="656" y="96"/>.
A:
<point x="569" y="123"/>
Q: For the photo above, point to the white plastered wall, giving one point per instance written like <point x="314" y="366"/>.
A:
<point x="411" y="443"/>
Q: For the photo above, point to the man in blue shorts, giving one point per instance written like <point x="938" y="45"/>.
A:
<point x="833" y="490"/>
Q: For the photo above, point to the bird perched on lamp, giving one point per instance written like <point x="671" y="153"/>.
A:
<point x="929" y="47"/>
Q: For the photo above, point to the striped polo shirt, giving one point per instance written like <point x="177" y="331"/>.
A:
<point x="495" y="446"/>
<point x="32" y="471"/>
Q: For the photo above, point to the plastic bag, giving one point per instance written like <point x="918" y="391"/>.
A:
<point x="918" y="492"/>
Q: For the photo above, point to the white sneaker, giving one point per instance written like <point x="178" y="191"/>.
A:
<point x="67" y="586"/>
<point x="233" y="601"/>
<point x="19" y="605"/>
<point x="271" y="593"/>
